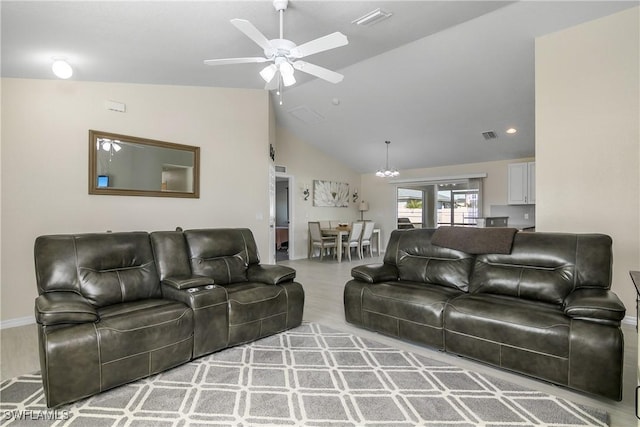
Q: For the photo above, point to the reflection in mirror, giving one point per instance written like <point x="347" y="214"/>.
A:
<point x="131" y="166"/>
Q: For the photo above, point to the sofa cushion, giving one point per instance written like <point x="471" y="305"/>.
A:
<point x="538" y="268"/>
<point x="256" y="310"/>
<point x="545" y="267"/>
<point x="408" y="310"/>
<point x="536" y="327"/>
<point x="142" y="338"/>
<point x="418" y="260"/>
<point x="116" y="267"/>
<point x="223" y="270"/>
<point x="412" y="301"/>
<point x="251" y="301"/>
<point x="223" y="254"/>
<point x="126" y="330"/>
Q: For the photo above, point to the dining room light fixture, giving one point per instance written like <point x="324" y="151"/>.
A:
<point x="387" y="172"/>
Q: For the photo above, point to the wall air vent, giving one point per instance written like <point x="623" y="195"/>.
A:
<point x="489" y="135"/>
<point x="281" y="169"/>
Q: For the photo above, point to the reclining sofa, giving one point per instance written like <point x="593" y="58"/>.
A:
<point x="116" y="307"/>
<point x="542" y="307"/>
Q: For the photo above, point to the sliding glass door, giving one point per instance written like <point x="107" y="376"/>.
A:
<point x="434" y="204"/>
<point x="457" y="204"/>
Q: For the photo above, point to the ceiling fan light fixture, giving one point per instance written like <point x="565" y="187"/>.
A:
<point x="286" y="70"/>
<point x="284" y="53"/>
<point x="288" y="80"/>
<point x="268" y="72"/>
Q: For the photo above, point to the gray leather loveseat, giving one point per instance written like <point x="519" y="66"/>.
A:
<point x="116" y="307"/>
<point x="541" y="308"/>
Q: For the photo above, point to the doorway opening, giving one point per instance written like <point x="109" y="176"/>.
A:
<point x="283" y="230"/>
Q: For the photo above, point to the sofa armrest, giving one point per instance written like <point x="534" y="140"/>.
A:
<point x="372" y="273"/>
<point x="187" y="282"/>
<point x="270" y="274"/>
<point x="56" y="308"/>
<point x="596" y="305"/>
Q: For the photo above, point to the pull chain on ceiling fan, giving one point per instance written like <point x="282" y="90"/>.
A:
<point x="285" y="54"/>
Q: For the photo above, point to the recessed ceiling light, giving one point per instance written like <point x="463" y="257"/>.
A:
<point x="61" y="68"/>
<point x="511" y="131"/>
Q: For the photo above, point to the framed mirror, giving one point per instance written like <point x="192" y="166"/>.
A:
<point x="124" y="165"/>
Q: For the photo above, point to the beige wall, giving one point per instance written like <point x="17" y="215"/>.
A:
<point x="587" y="137"/>
<point x="305" y="164"/>
<point x="45" y="127"/>
<point x="381" y="193"/>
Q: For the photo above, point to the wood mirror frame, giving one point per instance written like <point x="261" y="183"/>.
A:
<point x="121" y="165"/>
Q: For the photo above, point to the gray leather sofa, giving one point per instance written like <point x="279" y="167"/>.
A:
<point x="543" y="309"/>
<point x="116" y="307"/>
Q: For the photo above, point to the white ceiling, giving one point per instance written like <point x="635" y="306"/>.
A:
<point x="430" y="79"/>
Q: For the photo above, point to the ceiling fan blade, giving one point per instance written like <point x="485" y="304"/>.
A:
<point x="321" y="44"/>
<point x="252" y="32"/>
<point x="316" y="70"/>
<point x="228" y="61"/>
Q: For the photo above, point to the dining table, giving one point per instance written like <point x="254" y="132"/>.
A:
<point x="339" y="232"/>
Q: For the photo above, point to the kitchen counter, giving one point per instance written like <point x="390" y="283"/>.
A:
<point x="524" y="226"/>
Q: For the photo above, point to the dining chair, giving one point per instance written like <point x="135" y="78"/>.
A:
<point x="320" y="241"/>
<point x="365" y="240"/>
<point x="353" y="240"/>
<point x="334" y="223"/>
<point x="325" y="224"/>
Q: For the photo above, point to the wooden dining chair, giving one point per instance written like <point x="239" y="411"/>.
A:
<point x="320" y="241"/>
<point x="353" y="240"/>
<point x="365" y="240"/>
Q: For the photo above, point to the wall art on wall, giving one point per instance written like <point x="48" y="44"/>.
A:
<point x="330" y="193"/>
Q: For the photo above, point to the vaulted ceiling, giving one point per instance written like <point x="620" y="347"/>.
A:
<point x="431" y="78"/>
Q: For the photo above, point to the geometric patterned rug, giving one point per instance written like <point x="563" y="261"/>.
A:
<point x="308" y="376"/>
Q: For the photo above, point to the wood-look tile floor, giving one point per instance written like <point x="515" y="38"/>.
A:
<point x="323" y="283"/>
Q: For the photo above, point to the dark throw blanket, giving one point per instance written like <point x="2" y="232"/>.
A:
<point x="475" y="240"/>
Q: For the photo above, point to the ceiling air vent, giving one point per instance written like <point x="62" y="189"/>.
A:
<point x="489" y="135"/>
<point x="306" y="114"/>
<point x="372" y="17"/>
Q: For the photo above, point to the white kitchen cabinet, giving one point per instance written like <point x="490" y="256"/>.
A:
<point x="522" y="183"/>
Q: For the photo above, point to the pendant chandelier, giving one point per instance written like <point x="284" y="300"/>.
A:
<point x="387" y="172"/>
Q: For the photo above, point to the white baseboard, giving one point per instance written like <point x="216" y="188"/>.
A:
<point x="630" y="320"/>
<point x="14" y="323"/>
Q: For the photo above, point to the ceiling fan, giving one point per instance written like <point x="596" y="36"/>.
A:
<point x="284" y="54"/>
